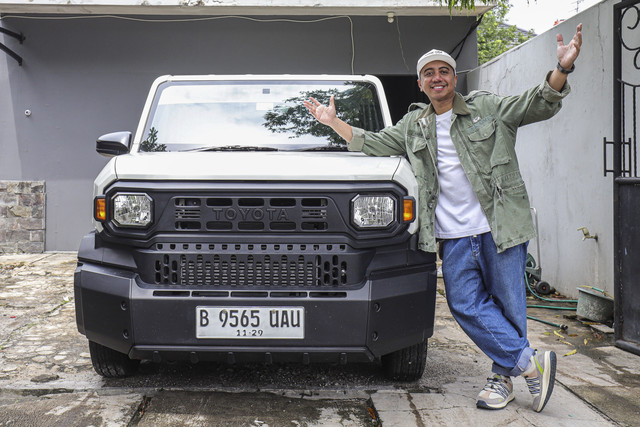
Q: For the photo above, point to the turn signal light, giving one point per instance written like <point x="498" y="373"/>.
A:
<point x="408" y="209"/>
<point x="100" y="209"/>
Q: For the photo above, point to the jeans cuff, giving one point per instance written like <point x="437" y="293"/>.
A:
<point x="521" y="366"/>
<point x="523" y="362"/>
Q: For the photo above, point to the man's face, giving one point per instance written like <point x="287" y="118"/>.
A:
<point x="438" y="81"/>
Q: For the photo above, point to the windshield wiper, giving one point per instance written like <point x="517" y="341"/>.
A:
<point x="324" y="148"/>
<point x="233" y="148"/>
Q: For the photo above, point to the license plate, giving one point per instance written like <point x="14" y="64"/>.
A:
<point x="250" y="322"/>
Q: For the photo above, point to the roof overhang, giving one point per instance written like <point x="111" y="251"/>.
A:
<point x="239" y="7"/>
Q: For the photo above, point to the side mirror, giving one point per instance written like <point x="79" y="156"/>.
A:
<point x="114" y="144"/>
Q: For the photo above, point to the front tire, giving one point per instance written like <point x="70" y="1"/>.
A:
<point x="110" y="363"/>
<point x="406" y="364"/>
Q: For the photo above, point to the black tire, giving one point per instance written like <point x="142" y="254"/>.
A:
<point x="406" y="364"/>
<point x="110" y="363"/>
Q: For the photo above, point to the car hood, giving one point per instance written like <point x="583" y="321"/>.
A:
<point x="272" y="166"/>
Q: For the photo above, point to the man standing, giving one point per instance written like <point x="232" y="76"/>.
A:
<point x="474" y="202"/>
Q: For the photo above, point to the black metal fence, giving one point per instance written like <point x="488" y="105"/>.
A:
<point x="626" y="187"/>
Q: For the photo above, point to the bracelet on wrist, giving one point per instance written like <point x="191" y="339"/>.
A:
<point x="564" y="70"/>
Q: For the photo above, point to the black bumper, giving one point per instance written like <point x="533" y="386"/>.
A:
<point x="393" y="308"/>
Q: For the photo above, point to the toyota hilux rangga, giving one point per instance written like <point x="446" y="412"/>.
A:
<point x="232" y="227"/>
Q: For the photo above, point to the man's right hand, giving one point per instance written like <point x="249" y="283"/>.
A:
<point x="322" y="113"/>
<point x="327" y="116"/>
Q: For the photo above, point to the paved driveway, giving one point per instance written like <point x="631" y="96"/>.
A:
<point x="46" y="376"/>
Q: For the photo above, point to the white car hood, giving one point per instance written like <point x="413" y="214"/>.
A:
<point x="271" y="166"/>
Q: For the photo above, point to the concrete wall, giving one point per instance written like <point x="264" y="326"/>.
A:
<point x="561" y="159"/>
<point x="85" y="77"/>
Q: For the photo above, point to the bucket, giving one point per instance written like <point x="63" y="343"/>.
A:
<point x="594" y="305"/>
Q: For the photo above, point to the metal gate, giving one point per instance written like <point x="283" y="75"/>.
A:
<point x="626" y="181"/>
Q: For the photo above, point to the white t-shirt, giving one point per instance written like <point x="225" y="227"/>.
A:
<point x="458" y="212"/>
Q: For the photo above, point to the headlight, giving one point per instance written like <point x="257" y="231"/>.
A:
<point x="373" y="211"/>
<point x="132" y="210"/>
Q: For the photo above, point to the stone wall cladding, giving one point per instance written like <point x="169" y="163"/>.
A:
<point x="22" y="216"/>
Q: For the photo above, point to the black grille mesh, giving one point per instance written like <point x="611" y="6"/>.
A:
<point x="231" y="265"/>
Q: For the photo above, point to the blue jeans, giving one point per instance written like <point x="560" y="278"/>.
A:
<point x="487" y="297"/>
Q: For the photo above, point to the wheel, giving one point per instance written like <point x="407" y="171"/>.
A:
<point x="543" y="288"/>
<point x="531" y="262"/>
<point x="110" y="363"/>
<point x="406" y="364"/>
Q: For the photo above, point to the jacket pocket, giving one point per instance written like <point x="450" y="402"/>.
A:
<point x="511" y="208"/>
<point x="509" y="185"/>
<point x="416" y="143"/>
<point x="417" y="154"/>
<point x="482" y="130"/>
<point x="482" y="141"/>
<point x="484" y="133"/>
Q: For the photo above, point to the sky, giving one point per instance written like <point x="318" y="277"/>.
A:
<point x="541" y="14"/>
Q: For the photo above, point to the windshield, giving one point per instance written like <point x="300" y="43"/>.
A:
<point x="247" y="115"/>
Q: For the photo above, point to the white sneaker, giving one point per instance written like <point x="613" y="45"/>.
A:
<point x="497" y="393"/>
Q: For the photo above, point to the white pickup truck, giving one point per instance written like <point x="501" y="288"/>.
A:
<point x="235" y="228"/>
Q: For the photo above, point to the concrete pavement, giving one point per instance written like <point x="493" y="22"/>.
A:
<point x="46" y="376"/>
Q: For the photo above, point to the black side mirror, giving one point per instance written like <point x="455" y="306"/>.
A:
<point x="114" y="144"/>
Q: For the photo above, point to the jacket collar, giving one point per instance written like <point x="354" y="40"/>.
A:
<point x="459" y="107"/>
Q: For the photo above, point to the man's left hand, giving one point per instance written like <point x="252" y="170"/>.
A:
<point x="567" y="54"/>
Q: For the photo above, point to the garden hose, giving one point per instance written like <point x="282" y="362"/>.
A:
<point x="557" y="325"/>
<point x="597" y="289"/>
<point x="552" y="307"/>
<point x="526" y="281"/>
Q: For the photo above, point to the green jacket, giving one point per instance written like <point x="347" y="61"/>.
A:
<point x="483" y="130"/>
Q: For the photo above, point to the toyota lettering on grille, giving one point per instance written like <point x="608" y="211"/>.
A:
<point x="247" y="214"/>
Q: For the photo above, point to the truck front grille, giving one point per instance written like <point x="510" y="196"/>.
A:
<point x="266" y="266"/>
<point x="228" y="214"/>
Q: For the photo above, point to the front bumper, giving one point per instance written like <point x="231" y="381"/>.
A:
<point x="392" y="309"/>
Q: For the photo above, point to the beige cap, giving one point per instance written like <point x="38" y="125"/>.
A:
<point x="435" y="55"/>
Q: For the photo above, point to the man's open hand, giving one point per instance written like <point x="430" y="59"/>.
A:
<point x="322" y="113"/>
<point x="567" y="54"/>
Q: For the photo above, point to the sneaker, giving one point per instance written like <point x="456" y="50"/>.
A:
<point x="541" y="381"/>
<point x="497" y="393"/>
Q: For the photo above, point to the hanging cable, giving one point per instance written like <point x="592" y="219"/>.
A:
<point x="464" y="39"/>
<point x="400" y="44"/>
